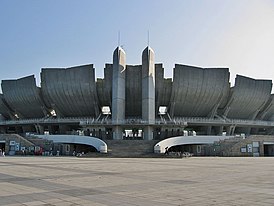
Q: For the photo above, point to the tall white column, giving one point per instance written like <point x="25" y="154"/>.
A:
<point x="148" y="91"/>
<point x="118" y="91"/>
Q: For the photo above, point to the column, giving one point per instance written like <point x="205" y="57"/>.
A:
<point x="148" y="92"/>
<point x="118" y="92"/>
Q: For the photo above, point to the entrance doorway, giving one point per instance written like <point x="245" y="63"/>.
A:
<point x="2" y="145"/>
<point x="269" y="149"/>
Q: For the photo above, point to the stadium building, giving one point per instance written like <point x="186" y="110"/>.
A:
<point x="136" y="102"/>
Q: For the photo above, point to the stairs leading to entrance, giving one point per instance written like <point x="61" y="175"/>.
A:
<point x="131" y="148"/>
<point x="227" y="144"/>
<point x="17" y="138"/>
<point x="43" y="143"/>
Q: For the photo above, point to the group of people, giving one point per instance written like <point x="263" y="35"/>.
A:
<point x="2" y="153"/>
<point x="179" y="153"/>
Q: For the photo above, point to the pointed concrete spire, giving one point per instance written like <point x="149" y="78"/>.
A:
<point x="148" y="90"/>
<point x="118" y="90"/>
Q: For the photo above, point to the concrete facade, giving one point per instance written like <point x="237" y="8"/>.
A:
<point x="4" y="110"/>
<point x="70" y="92"/>
<point x="126" y="102"/>
<point x="254" y="145"/>
<point x="248" y="97"/>
<point x="22" y="92"/>
<point x="12" y="143"/>
<point x="198" y="92"/>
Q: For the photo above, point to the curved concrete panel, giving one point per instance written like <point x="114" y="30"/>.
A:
<point x="133" y="91"/>
<point x="198" y="92"/>
<point x="186" y="140"/>
<point x="104" y="87"/>
<point x="100" y="145"/>
<point x="71" y="92"/>
<point x="247" y="98"/>
<point x="163" y="88"/>
<point x="23" y="97"/>
<point x="4" y="110"/>
<point x="267" y="112"/>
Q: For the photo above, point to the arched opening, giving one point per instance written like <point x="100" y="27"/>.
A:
<point x="71" y="149"/>
<point x="195" y="149"/>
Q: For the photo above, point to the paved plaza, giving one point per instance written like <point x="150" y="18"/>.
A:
<point x="195" y="181"/>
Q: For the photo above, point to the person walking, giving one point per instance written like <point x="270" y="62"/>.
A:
<point x="166" y="151"/>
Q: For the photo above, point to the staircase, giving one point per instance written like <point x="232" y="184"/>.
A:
<point x="227" y="144"/>
<point x="131" y="148"/>
<point x="223" y="147"/>
<point x="43" y="143"/>
<point x="17" y="138"/>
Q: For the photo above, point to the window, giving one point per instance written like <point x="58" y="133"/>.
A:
<point x="199" y="149"/>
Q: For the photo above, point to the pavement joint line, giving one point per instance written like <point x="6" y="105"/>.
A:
<point x="197" y="181"/>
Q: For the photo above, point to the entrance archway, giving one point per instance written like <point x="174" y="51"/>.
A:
<point x="268" y="149"/>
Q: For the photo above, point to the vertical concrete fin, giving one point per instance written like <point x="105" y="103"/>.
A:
<point x="148" y="89"/>
<point x="118" y="90"/>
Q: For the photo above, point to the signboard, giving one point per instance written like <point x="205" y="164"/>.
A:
<point x="12" y="143"/>
<point x="243" y="149"/>
<point x="255" y="144"/>
<point x="249" y="147"/>
<point x="17" y="146"/>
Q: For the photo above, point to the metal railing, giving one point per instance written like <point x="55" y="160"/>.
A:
<point x="183" y="121"/>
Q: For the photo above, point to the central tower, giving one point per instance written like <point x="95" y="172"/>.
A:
<point x="118" y="91"/>
<point x="148" y="92"/>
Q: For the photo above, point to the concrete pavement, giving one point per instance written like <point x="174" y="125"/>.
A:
<point x="50" y="181"/>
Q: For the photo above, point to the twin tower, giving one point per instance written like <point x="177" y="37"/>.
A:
<point x="119" y="88"/>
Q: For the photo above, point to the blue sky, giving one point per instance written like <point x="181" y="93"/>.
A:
<point x="36" y="34"/>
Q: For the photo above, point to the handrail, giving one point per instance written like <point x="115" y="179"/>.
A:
<point x="132" y="121"/>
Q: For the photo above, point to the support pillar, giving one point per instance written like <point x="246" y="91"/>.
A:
<point x="233" y="130"/>
<point x="228" y="130"/>
<point x="39" y="129"/>
<point x="148" y="92"/>
<point x="148" y="133"/>
<point x="117" y="132"/>
<point x="209" y="130"/>
<point x="221" y="129"/>
<point x="118" y="92"/>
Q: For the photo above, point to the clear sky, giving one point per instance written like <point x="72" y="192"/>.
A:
<point x="238" y="34"/>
